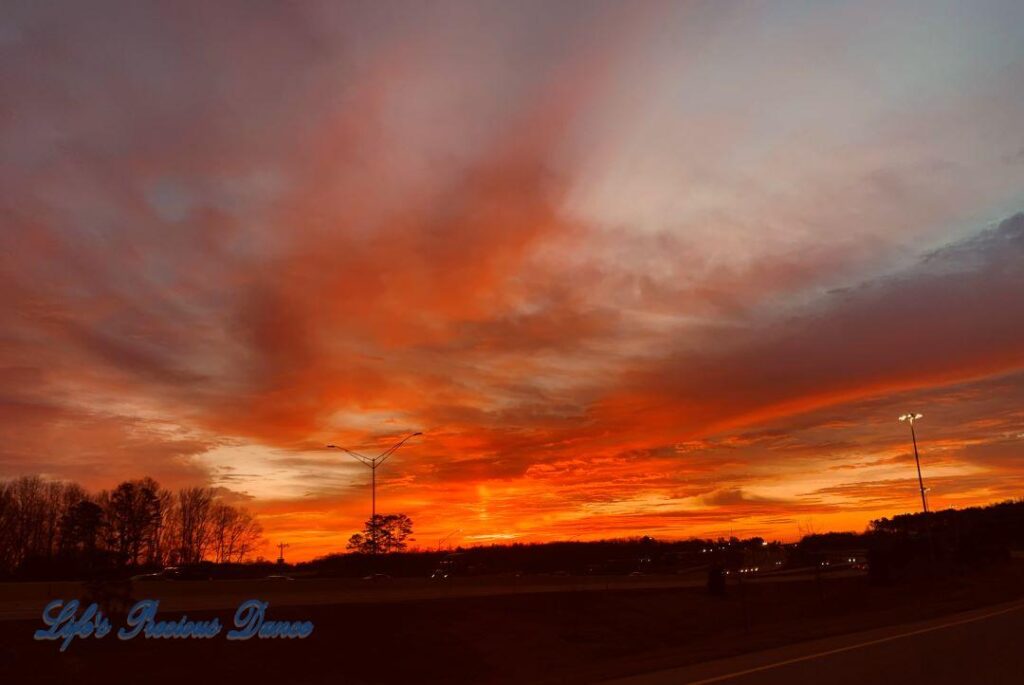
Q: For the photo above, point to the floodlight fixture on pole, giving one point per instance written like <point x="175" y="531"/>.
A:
<point x="373" y="463"/>
<point x="911" y="418"/>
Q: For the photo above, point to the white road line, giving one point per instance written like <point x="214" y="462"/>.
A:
<point x="809" y="657"/>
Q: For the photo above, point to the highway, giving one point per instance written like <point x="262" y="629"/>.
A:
<point x="981" y="646"/>
<point x="20" y="601"/>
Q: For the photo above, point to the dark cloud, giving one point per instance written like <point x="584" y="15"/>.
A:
<point x="958" y="313"/>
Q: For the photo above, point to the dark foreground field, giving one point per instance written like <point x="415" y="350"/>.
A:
<point x="568" y="636"/>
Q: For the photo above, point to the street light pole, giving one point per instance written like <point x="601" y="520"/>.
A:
<point x="910" y="418"/>
<point x="373" y="463"/>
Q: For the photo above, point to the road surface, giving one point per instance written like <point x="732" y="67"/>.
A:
<point x="981" y="646"/>
<point x="20" y="601"/>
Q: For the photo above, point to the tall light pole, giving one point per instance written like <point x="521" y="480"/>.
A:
<point x="910" y="418"/>
<point x="373" y="463"/>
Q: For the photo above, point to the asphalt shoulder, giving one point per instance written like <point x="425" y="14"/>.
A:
<point x="724" y="670"/>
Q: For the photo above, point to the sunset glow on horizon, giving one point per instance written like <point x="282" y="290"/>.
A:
<point x="625" y="278"/>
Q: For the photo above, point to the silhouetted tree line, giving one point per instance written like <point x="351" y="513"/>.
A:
<point x="603" y="557"/>
<point x="51" y="529"/>
<point x="952" y="540"/>
<point x="908" y="546"/>
<point x="1000" y="524"/>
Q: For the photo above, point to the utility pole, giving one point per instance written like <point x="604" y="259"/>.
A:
<point x="373" y="463"/>
<point x="910" y="418"/>
<point x="280" y="547"/>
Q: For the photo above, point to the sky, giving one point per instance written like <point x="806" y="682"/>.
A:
<point x="667" y="269"/>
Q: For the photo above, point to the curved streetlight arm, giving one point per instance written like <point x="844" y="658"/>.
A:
<point x="355" y="455"/>
<point x="394" y="448"/>
<point x="374" y="462"/>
